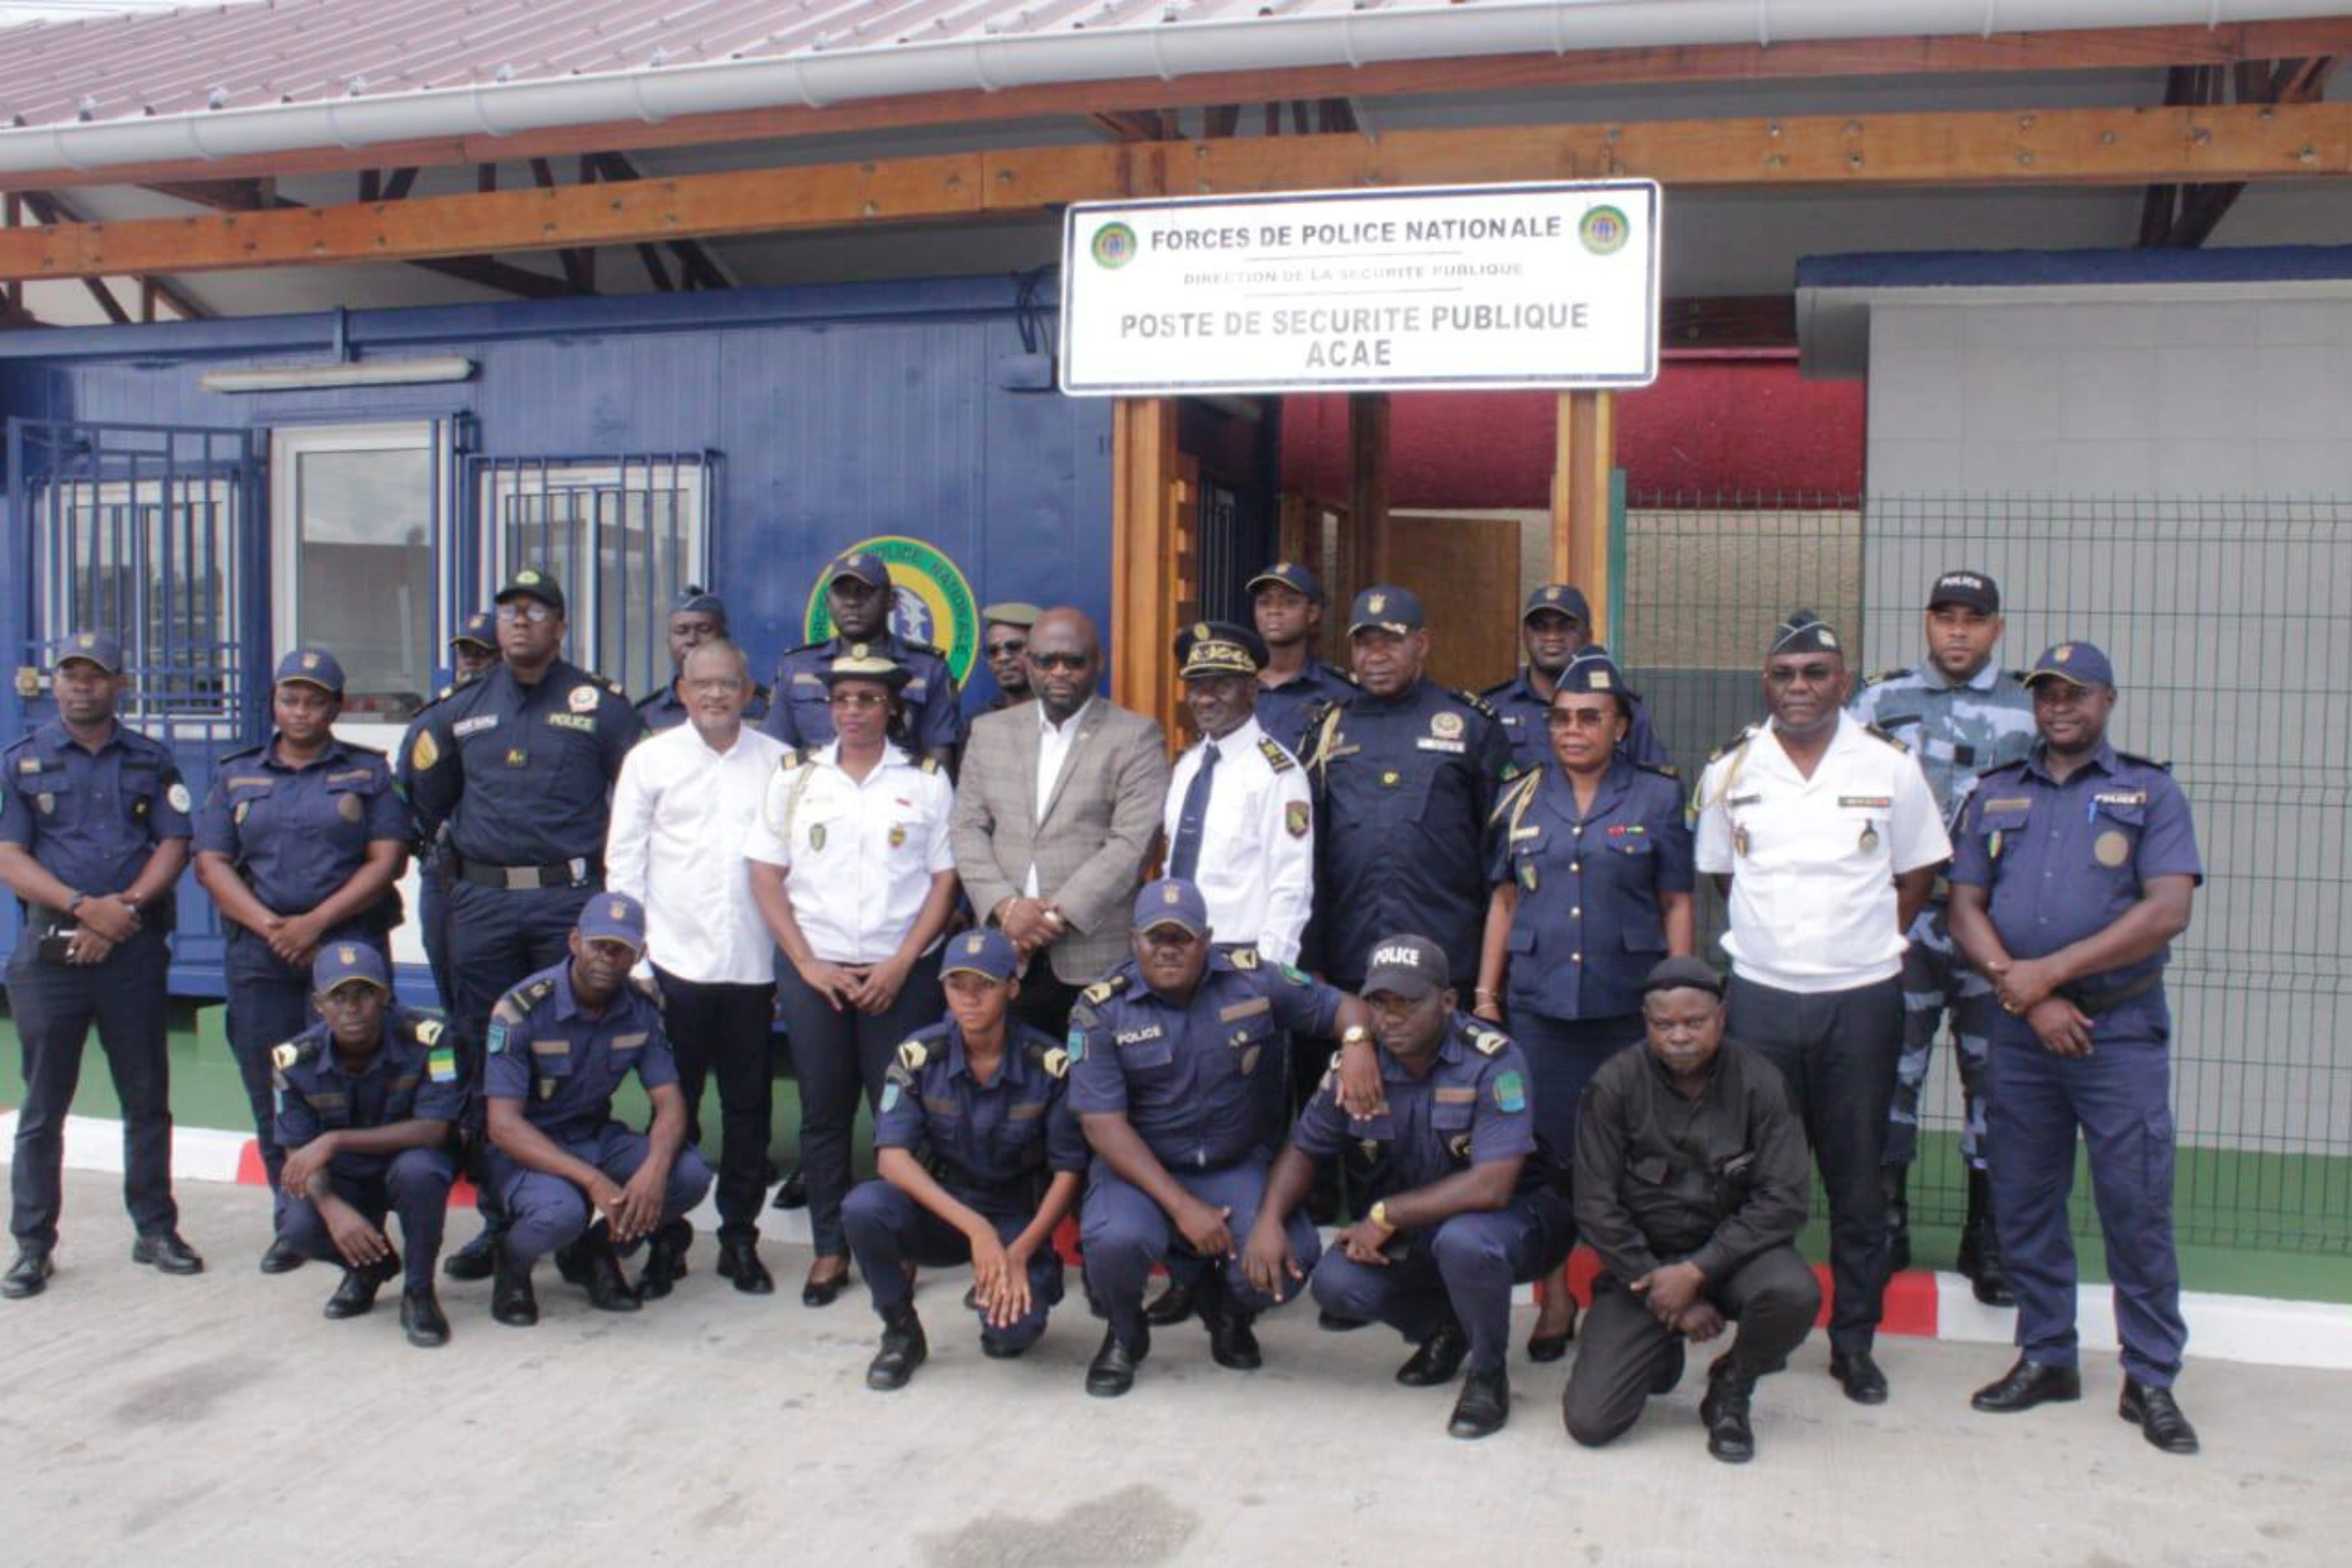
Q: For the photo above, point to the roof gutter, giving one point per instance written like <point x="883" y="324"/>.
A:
<point x="820" y="76"/>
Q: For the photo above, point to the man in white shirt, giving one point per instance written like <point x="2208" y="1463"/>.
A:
<point x="1826" y="839"/>
<point x="684" y="802"/>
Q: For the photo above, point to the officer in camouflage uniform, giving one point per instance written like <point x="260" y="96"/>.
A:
<point x="1960" y="714"/>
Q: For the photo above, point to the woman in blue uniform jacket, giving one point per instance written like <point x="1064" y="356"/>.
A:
<point x="1590" y="862"/>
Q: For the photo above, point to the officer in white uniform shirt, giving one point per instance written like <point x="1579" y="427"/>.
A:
<point x="853" y="872"/>
<point x="1239" y="816"/>
<point x="686" y="797"/>
<point x="1826" y="837"/>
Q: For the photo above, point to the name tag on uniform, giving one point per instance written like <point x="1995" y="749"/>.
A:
<point x="1244" y="1009"/>
<point x="473" y="726"/>
<point x="1136" y="1037"/>
<point x="2123" y="798"/>
<point x="581" y="721"/>
<point x="1867" y="803"/>
<point x="1519" y="833"/>
<point x="1430" y="743"/>
<point x="2023" y="803"/>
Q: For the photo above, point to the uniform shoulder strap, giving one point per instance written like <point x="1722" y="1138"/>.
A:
<point x="1879" y="734"/>
<point x="1473" y="701"/>
<point x="1280" y="760"/>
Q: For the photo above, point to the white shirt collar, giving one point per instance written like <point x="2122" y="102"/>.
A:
<point x="1045" y="721"/>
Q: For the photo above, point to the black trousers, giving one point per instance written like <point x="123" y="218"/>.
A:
<point x="1045" y="999"/>
<point x="836" y="1055"/>
<point x="1837" y="1051"/>
<point x="721" y="1030"/>
<point x="55" y="1004"/>
<point x="1773" y="1297"/>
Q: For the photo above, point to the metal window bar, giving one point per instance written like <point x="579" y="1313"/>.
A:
<point x="2231" y="624"/>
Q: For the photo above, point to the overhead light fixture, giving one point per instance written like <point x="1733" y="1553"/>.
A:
<point x="354" y="373"/>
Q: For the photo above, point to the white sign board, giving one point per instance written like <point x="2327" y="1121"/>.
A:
<point x="1552" y="286"/>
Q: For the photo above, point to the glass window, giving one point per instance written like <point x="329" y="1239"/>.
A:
<point x="364" y="570"/>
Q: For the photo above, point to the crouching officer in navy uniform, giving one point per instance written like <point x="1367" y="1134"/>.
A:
<point x="2076" y="868"/>
<point x="574" y="1180"/>
<point x="858" y="599"/>
<point x="519" y="764"/>
<point x="94" y="833"/>
<point x="472" y="651"/>
<point x="980" y="1158"/>
<point x="1165" y="1052"/>
<point x="365" y="1103"/>
<point x="699" y="616"/>
<point x="1555" y="629"/>
<point x="1467" y="1201"/>
<point x="299" y="843"/>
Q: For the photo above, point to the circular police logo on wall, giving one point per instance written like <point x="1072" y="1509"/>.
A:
<point x="1114" y="245"/>
<point x="930" y="601"/>
<point x="1604" y="230"/>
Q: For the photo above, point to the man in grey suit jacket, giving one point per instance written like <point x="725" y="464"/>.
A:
<point x="1056" y="866"/>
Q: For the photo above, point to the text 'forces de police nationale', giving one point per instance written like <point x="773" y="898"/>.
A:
<point x="1355" y="335"/>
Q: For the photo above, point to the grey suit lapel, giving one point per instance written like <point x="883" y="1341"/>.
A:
<point x="1087" y="727"/>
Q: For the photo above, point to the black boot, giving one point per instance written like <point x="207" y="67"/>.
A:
<point x="1981" y="1245"/>
<point x="1724" y="1414"/>
<point x="904" y="1348"/>
<point x="665" y="1259"/>
<point x="1173" y="1305"/>
<point x="608" y="1287"/>
<point x="421" y="1318"/>
<point x="356" y="1294"/>
<point x="739" y="1261"/>
<point x="477" y="1259"/>
<point x="1895" y="1182"/>
<point x="1232" y="1342"/>
<point x="792" y="1191"/>
<point x="512" y="1300"/>
<point x="1438" y="1358"/>
<point x="1111" y="1373"/>
<point x="1484" y="1406"/>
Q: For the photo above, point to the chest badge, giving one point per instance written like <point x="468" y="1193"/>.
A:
<point x="2111" y="849"/>
<point x="516" y="757"/>
<point x="1390" y="778"/>
<point x="817" y="836"/>
<point x="1869" y="840"/>
<point x="348" y="807"/>
<point x="898" y="835"/>
<point x="1445" y="727"/>
<point x="47" y="802"/>
<point x="1527" y="875"/>
<point x="1740" y="842"/>
<point x="582" y="700"/>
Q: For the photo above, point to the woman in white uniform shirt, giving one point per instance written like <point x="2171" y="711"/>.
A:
<point x="853" y="874"/>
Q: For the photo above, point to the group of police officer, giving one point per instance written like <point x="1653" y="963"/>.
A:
<point x="1186" y="1116"/>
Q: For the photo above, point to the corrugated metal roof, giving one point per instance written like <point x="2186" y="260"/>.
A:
<point x="269" y="52"/>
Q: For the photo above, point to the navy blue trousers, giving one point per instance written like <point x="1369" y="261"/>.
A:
<point x="498" y="938"/>
<point x="1124" y="1235"/>
<point x="1462" y="1269"/>
<point x="413" y="1184"/>
<point x="2119" y="1099"/>
<point x="887" y="1230"/>
<point x="545" y="1212"/>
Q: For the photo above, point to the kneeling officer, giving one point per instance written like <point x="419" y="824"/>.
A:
<point x="558" y="1044"/>
<point x="364" y="1103"/>
<point x="980" y="1158"/>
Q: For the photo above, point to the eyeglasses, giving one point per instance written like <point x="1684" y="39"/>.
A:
<point x="1003" y="650"/>
<point x="1069" y="662"/>
<point x="1578" y="718"/>
<point x="855" y="700"/>
<point x="531" y="610"/>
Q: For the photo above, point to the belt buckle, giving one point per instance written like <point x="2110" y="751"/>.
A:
<point x="520" y="877"/>
<point x="578" y="867"/>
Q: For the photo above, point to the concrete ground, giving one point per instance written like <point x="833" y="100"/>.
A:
<point x="219" y="1420"/>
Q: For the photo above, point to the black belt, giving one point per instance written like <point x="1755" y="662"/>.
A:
<point x="2095" y="1003"/>
<point x="583" y="871"/>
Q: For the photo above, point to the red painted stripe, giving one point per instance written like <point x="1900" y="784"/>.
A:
<point x="1910" y="1307"/>
<point x="251" y="1174"/>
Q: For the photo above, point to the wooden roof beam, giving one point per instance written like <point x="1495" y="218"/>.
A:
<point x="2018" y="149"/>
<point x="2185" y="217"/>
<point x="2089" y="49"/>
<point x="51" y="210"/>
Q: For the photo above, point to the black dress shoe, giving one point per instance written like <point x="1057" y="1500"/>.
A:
<point x="1173" y="1305"/>
<point x="1002" y="1349"/>
<point x="1864" y="1383"/>
<point x="792" y="1191"/>
<point x="166" y="1253"/>
<point x="1232" y="1342"/>
<point x="280" y="1258"/>
<point x="1670" y="1372"/>
<point x="608" y="1287"/>
<point x="1436" y="1360"/>
<point x="477" y="1259"/>
<point x="2027" y="1385"/>
<point x="1724" y="1414"/>
<point x="421" y="1318"/>
<point x="1551" y="1346"/>
<point x="904" y="1348"/>
<point x="739" y="1261"/>
<point x="511" y="1299"/>
<point x="2158" y="1416"/>
<point x="815" y="1292"/>
<point x="28" y="1275"/>
<point x="665" y="1259"/>
<point x="355" y="1296"/>
<point x="1112" y="1372"/>
<point x="1330" y="1322"/>
<point x="1485" y="1406"/>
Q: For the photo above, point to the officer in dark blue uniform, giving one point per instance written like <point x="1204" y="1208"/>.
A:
<point x="366" y="1100"/>
<point x="94" y="833"/>
<point x="574" y="1180"/>
<point x="519" y="765"/>
<point x="1555" y="628"/>
<point x="1165" y="1052"/>
<point x="472" y="652"/>
<point x="1406" y="775"/>
<point x="1590" y="860"/>
<point x="858" y="596"/>
<point x="299" y="843"/>
<point x="696" y="618"/>
<point x="980" y="1158"/>
<point x="1286" y="604"/>
<point x="1467" y="1201"/>
<point x="2075" y="868"/>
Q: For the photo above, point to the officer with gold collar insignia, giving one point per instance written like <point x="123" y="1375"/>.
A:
<point x="519" y="764"/>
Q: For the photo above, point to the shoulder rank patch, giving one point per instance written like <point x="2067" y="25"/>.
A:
<point x="913" y="1053"/>
<point x="285" y="1056"/>
<point x="1733" y="745"/>
<point x="1056" y="1061"/>
<point x="1662" y="769"/>
<point x="1889" y="739"/>
<point x="1102" y="990"/>
<point x="929" y="765"/>
<point x="1473" y="700"/>
<point x="1280" y="760"/>
<point x="2144" y="761"/>
<point x="1243" y="957"/>
<point x="1488" y="1042"/>
<point x="1883" y="675"/>
<point x="428" y="1031"/>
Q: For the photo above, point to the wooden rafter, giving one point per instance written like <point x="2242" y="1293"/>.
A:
<point x="2091" y="49"/>
<point x="53" y="211"/>
<point x="697" y="267"/>
<point x="2017" y="149"/>
<point x="2185" y="215"/>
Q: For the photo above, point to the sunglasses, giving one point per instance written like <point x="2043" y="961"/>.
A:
<point x="1003" y="650"/>
<point x="1068" y="661"/>
<point x="855" y="700"/>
